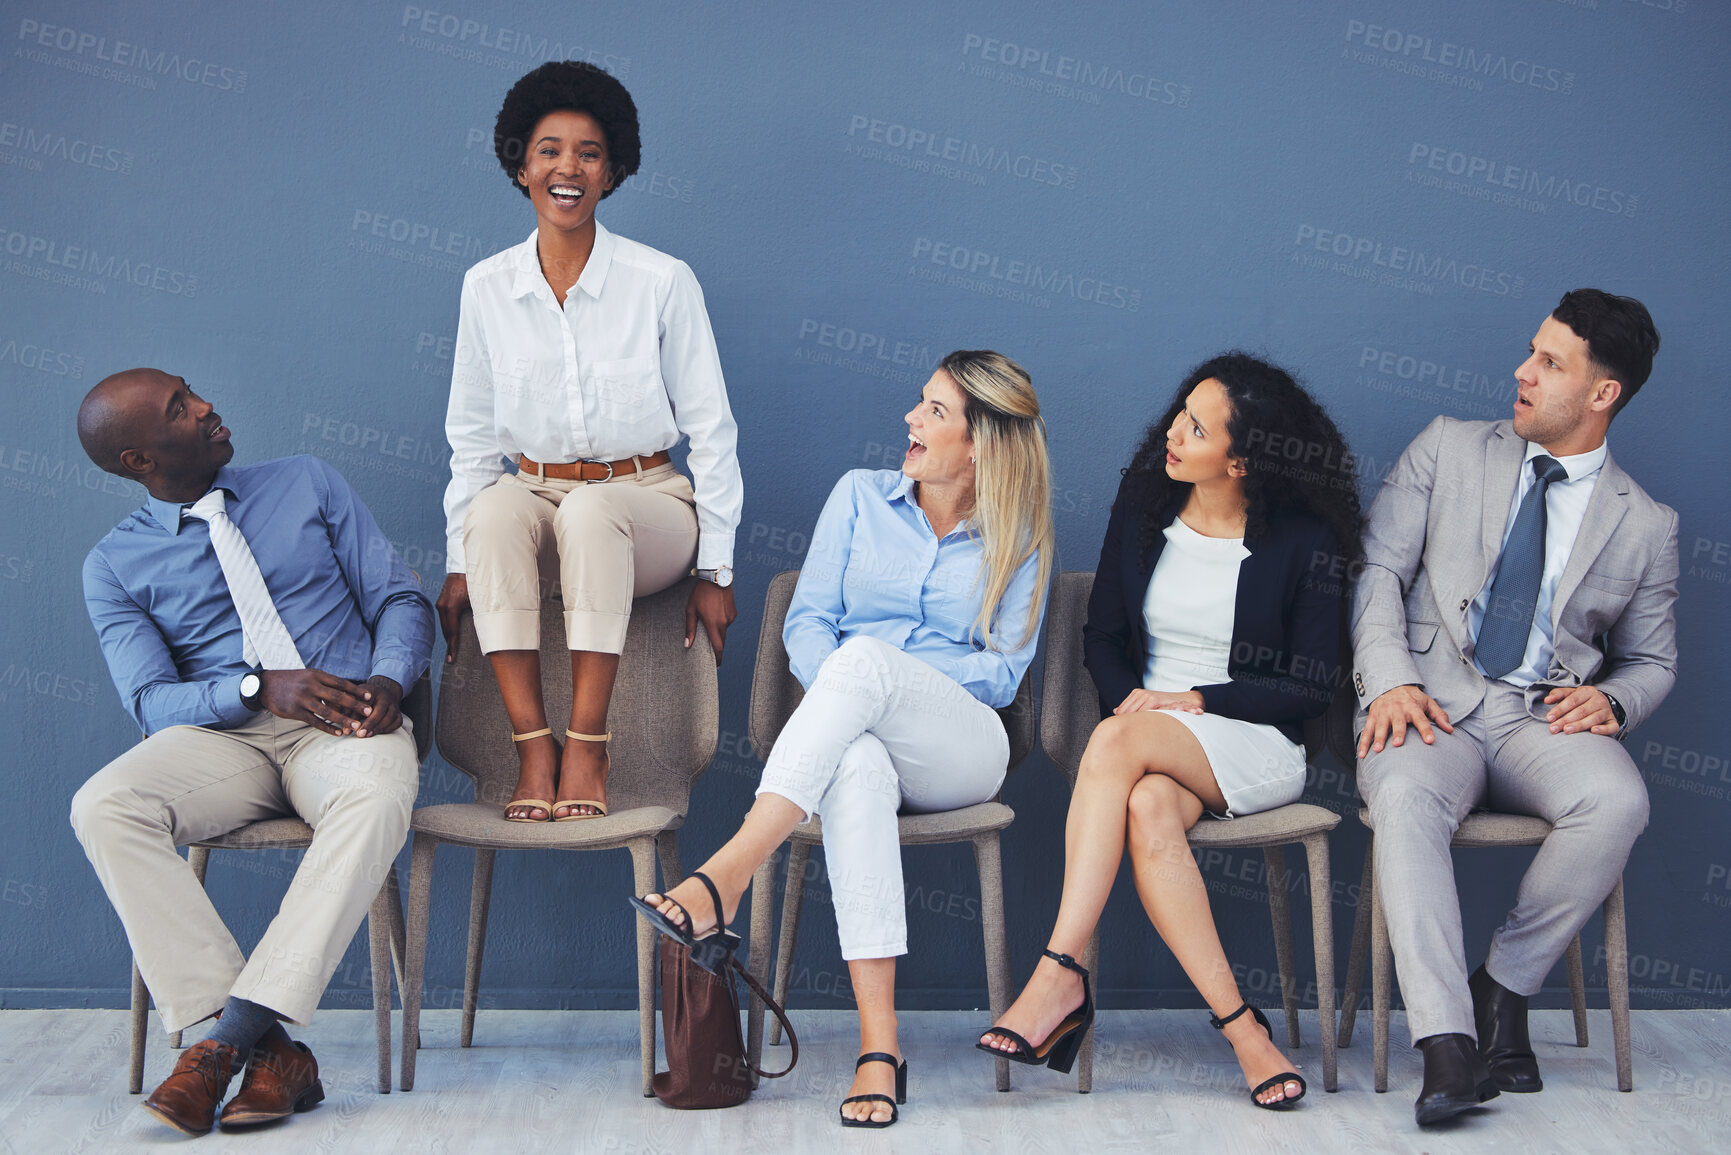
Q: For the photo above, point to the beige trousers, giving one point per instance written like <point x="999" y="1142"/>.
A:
<point x="602" y="542"/>
<point x="189" y="783"/>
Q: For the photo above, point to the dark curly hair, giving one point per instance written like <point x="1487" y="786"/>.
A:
<point x="1295" y="456"/>
<point x="578" y="87"/>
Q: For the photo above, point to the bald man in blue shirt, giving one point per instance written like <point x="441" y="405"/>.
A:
<point x="261" y="631"/>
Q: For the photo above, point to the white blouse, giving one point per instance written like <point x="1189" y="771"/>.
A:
<point x="626" y="366"/>
<point x="1189" y="609"/>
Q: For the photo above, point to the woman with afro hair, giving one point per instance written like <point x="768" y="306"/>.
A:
<point x="583" y="358"/>
<point x="1213" y="632"/>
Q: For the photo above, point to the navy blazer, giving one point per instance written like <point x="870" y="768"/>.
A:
<point x="1286" y="624"/>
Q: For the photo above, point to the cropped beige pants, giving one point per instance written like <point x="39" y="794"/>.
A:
<point x="189" y="783"/>
<point x="601" y="543"/>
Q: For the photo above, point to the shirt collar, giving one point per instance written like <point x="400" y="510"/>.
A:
<point x="168" y="514"/>
<point x="1579" y="465"/>
<point x="527" y="264"/>
<point x="904" y="491"/>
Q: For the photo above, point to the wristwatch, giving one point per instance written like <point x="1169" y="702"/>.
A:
<point x="722" y="577"/>
<point x="1618" y="713"/>
<point x="251" y="684"/>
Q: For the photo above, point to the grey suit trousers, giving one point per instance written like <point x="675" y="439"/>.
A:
<point x="1502" y="756"/>
<point x="189" y="783"/>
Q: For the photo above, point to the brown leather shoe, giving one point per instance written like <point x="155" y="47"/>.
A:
<point x="281" y="1078"/>
<point x="187" y="1099"/>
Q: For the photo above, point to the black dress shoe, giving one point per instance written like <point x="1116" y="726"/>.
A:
<point x="1501" y="1017"/>
<point x="1455" y="1078"/>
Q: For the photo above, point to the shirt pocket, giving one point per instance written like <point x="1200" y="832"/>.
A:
<point x="626" y="393"/>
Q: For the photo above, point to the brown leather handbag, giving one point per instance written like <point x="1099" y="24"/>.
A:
<point x="706" y="1062"/>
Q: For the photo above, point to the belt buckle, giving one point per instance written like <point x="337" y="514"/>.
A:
<point x="592" y="461"/>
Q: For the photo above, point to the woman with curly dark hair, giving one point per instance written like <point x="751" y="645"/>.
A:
<point x="583" y="358"/>
<point x="1213" y="633"/>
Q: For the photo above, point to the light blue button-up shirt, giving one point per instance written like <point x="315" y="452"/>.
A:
<point x="169" y="629"/>
<point x="876" y="568"/>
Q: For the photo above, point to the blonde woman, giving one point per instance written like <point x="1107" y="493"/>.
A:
<point x="915" y="618"/>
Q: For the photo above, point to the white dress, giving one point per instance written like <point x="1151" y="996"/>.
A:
<point x="1188" y="612"/>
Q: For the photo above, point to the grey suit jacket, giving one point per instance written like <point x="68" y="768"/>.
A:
<point x="1435" y="531"/>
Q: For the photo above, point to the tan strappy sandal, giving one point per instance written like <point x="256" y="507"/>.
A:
<point x="532" y="803"/>
<point x="600" y="807"/>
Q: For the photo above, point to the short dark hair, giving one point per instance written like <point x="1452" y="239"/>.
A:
<point x="578" y="87"/>
<point x="1619" y="333"/>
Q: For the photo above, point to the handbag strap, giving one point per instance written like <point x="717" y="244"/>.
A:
<point x="775" y="1007"/>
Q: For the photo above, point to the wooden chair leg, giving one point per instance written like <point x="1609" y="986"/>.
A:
<point x="1577" y="990"/>
<point x="1280" y="910"/>
<point x="667" y="852"/>
<point x="1357" y="955"/>
<point x="379" y="950"/>
<point x="986" y="857"/>
<point x="798" y="855"/>
<point x="1617" y="980"/>
<point x="415" y="952"/>
<point x="140" y="1025"/>
<point x="1381" y="982"/>
<point x="480" y="901"/>
<point x="643" y="880"/>
<point x="1322" y="936"/>
<point x="1085" y="1060"/>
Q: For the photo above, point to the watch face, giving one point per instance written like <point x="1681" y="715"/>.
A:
<point x="249" y="686"/>
<point x="724" y="576"/>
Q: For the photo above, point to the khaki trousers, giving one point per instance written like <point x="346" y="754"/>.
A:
<point x="189" y="783"/>
<point x="602" y="542"/>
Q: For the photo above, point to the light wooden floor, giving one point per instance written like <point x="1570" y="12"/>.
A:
<point x="565" y="1081"/>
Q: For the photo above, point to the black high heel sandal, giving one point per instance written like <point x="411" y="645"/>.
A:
<point x="1058" y="1050"/>
<point x="901" y="1091"/>
<point x="711" y="952"/>
<point x="1219" y="1024"/>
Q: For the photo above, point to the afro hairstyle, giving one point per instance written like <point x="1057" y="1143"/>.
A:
<point x="568" y="85"/>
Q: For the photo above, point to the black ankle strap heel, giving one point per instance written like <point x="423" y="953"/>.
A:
<point x="901" y="1090"/>
<point x="1059" y="1049"/>
<point x="1220" y="1024"/>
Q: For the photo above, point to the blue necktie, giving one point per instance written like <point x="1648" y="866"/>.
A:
<point x="1502" y="641"/>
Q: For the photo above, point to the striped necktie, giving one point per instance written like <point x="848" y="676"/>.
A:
<point x="267" y="644"/>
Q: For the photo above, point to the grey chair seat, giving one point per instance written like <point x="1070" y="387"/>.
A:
<point x="482" y="824"/>
<point x="289" y="833"/>
<point x="1483" y="828"/>
<point x="1274" y="827"/>
<point x="922" y="829"/>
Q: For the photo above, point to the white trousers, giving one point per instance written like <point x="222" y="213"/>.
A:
<point x="188" y="783"/>
<point x="880" y="732"/>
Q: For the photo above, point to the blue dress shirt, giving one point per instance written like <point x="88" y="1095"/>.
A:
<point x="876" y="568"/>
<point x="169" y="629"/>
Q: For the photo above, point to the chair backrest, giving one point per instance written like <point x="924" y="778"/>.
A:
<point x="417" y="707"/>
<point x="665" y="714"/>
<point x="1072" y="704"/>
<point x="776" y="693"/>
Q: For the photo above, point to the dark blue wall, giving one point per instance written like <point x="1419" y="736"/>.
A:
<point x="279" y="203"/>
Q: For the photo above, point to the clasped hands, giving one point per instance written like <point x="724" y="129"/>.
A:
<point x="335" y="705"/>
<point x="1574" y="710"/>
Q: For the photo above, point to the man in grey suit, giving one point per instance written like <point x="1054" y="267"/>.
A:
<point x="1516" y="611"/>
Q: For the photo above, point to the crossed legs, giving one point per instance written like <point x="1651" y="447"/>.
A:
<point x="878" y="731"/>
<point x="1145" y="780"/>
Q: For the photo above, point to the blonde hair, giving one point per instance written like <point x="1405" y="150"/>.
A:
<point x="1012" y="515"/>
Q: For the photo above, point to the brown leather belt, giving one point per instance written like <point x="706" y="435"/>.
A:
<point x="591" y="470"/>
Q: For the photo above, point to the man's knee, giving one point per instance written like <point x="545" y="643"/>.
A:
<point x="1410" y="802"/>
<point x="589" y="513"/>
<point x="101" y="802"/>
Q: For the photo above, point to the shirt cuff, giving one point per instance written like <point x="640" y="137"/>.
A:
<point x="395" y="669"/>
<point x="715" y="550"/>
<point x="229" y="707"/>
<point x="455" y="562"/>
